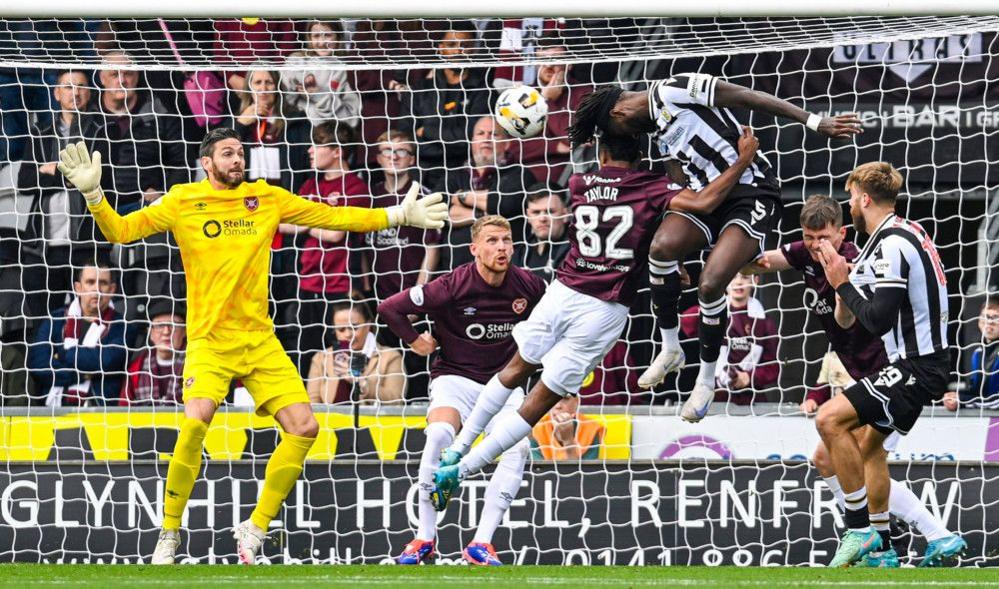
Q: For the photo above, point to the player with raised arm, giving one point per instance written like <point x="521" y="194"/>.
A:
<point x="224" y="227"/>
<point x="474" y="309"/>
<point x="690" y="118"/>
<point x="614" y="211"/>
<point x="860" y="352"/>
<point x="897" y="290"/>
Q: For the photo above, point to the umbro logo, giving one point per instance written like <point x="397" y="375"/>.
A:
<point x="469" y="310"/>
<point x="200" y="206"/>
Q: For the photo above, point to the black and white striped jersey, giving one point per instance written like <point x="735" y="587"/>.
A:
<point x="900" y="254"/>
<point x="702" y="137"/>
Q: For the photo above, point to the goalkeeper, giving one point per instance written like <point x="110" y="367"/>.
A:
<point x="224" y="227"/>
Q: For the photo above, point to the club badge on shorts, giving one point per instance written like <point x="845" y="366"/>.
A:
<point x="520" y="305"/>
<point x="251" y="203"/>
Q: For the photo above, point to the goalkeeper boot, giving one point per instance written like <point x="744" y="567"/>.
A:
<point x="943" y="548"/>
<point x="416" y="552"/>
<point x="446" y="480"/>
<point x="450" y="457"/>
<point x="668" y="360"/>
<point x="698" y="403"/>
<point x="887" y="559"/>
<point x="854" y="546"/>
<point x="481" y="554"/>
<point x="249" y="539"/>
<point x="166" y="547"/>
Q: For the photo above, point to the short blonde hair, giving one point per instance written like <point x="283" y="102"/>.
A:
<point x="880" y="180"/>
<point x="489" y="220"/>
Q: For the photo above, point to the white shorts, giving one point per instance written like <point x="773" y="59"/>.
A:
<point x="460" y="394"/>
<point x="569" y="333"/>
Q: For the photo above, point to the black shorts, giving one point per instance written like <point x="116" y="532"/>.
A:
<point x="892" y="399"/>
<point x="757" y="212"/>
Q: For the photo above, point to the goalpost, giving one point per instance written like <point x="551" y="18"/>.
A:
<point x="86" y="484"/>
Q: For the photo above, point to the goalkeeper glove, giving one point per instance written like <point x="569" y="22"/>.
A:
<point x="429" y="212"/>
<point x="81" y="171"/>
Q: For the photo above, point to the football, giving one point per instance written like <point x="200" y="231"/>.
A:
<point x="521" y="111"/>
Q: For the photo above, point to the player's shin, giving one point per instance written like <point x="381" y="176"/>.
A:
<point x="710" y="333"/>
<point x="439" y="435"/>
<point x="664" y="280"/>
<point x="183" y="471"/>
<point x="502" y="490"/>
<point x="491" y="400"/>
<point x="510" y="430"/>
<point x="283" y="469"/>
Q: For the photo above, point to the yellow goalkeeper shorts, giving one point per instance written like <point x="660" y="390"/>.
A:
<point x="256" y="358"/>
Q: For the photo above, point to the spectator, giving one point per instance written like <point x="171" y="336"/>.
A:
<point x="78" y="354"/>
<point x="747" y="363"/>
<point x="981" y="385"/>
<point x="400" y="257"/>
<point x="251" y="40"/>
<point x="356" y="359"/>
<point x="155" y="376"/>
<point x="17" y="388"/>
<point x="614" y="381"/>
<point x="147" y="156"/>
<point x="488" y="186"/>
<point x="147" y="152"/>
<point x="443" y="106"/>
<point x="566" y="434"/>
<point x="323" y="277"/>
<point x="548" y="243"/>
<point x="60" y="233"/>
<point x="547" y="155"/>
<point x="275" y="139"/>
<point x="833" y="379"/>
<point x="324" y="94"/>
<point x="520" y="41"/>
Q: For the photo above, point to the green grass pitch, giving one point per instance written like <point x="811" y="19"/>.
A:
<point x="447" y="577"/>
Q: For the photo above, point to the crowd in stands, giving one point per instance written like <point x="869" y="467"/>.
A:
<point x="96" y="325"/>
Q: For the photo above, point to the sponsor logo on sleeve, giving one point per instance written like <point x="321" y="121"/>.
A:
<point x="416" y="295"/>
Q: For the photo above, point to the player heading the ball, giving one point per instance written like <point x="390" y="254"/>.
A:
<point x="224" y="227"/>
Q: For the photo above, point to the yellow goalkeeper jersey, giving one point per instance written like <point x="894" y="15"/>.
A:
<point x="225" y="242"/>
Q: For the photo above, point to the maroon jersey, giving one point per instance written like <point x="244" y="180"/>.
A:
<point x="324" y="265"/>
<point x="615" y="213"/>
<point x="397" y="253"/>
<point x="860" y="352"/>
<point x="473" y="322"/>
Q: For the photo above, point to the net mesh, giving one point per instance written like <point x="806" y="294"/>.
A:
<point x="86" y="483"/>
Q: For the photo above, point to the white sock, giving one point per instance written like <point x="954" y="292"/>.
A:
<point x="492" y="398"/>
<point x="439" y="435"/>
<point x="510" y="430"/>
<point x="671" y="338"/>
<point x="706" y="376"/>
<point x="502" y="490"/>
<point x="904" y="504"/>
<point x="837" y="491"/>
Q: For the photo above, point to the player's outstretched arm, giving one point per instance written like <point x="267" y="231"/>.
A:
<point x="735" y="96"/>
<point x="770" y="261"/>
<point x="84" y="172"/>
<point x="708" y="199"/>
<point x="429" y="212"/>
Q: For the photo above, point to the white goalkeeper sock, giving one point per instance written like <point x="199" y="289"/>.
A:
<point x="510" y="430"/>
<point x="904" y="504"/>
<point x="837" y="491"/>
<point x="502" y="490"/>
<point x="492" y="398"/>
<point x="439" y="435"/>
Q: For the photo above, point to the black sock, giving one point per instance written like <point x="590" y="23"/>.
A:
<point x="711" y="327"/>
<point x="664" y="280"/>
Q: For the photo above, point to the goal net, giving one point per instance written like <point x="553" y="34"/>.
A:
<point x="347" y="111"/>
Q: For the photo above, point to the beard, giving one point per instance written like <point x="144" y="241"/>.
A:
<point x="232" y="179"/>
<point x="858" y="221"/>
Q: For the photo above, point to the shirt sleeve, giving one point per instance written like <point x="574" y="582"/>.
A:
<point x="301" y="211"/>
<point x="795" y="254"/>
<point x="891" y="263"/>
<point x="424" y="298"/>
<point x="680" y="91"/>
<point x="156" y="218"/>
